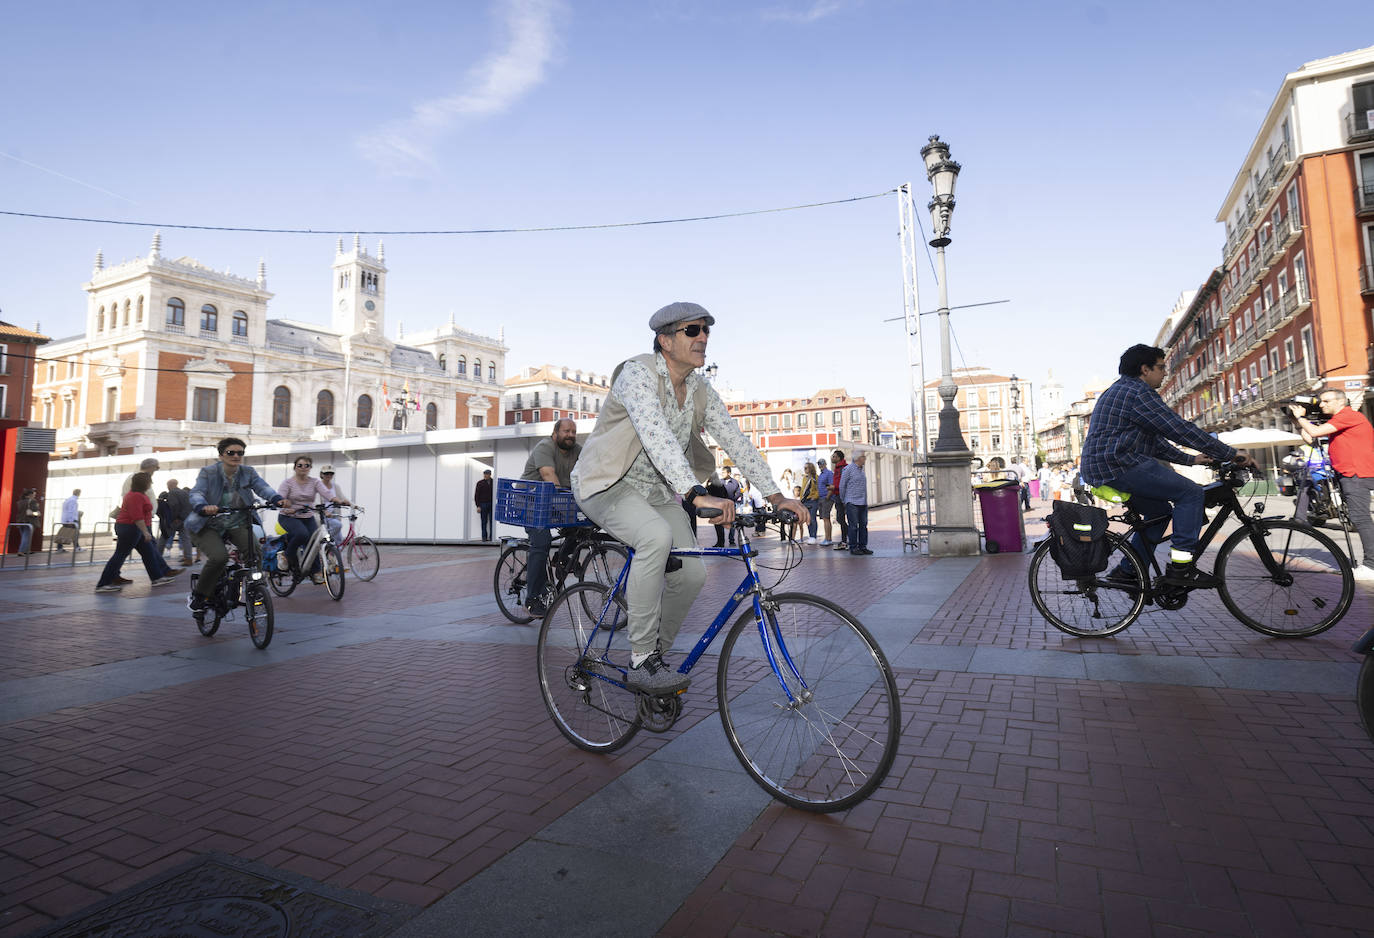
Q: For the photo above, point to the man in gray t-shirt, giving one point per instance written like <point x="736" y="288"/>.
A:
<point x="551" y="460"/>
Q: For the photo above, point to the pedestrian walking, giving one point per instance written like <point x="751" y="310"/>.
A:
<point x="133" y="531"/>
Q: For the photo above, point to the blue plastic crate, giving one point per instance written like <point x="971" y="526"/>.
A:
<point x="537" y="505"/>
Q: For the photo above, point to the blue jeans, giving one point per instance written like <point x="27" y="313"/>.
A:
<point x="1152" y="486"/>
<point x="298" y="531"/>
<point x="128" y="538"/>
<point x="537" y="568"/>
<point x="812" y="505"/>
<point x="484" y="512"/>
<point x="858" y="526"/>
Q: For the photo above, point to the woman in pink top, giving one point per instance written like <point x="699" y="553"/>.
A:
<point x="298" y="493"/>
<point x="133" y="531"/>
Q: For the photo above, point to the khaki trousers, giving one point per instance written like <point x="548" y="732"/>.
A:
<point x="658" y="601"/>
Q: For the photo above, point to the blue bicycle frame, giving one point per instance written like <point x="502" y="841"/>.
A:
<point x="749" y="587"/>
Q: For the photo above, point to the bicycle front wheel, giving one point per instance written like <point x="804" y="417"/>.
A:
<point x="602" y="564"/>
<point x="1364" y="694"/>
<point x="509" y="583"/>
<point x="1284" y="579"/>
<point x="257" y="610"/>
<point x="826" y="741"/>
<point x="1092" y="606"/>
<point x="332" y="565"/>
<point x="582" y="659"/>
<point x="364" y="559"/>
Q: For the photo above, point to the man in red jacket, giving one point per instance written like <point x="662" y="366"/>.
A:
<point x="1352" y="456"/>
<point x="837" y="465"/>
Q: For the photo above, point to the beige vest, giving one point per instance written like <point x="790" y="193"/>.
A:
<point x="614" y="445"/>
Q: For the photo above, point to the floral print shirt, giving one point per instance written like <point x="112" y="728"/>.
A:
<point x="661" y="471"/>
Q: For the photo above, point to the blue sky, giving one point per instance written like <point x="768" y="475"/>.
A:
<point x="1097" y="141"/>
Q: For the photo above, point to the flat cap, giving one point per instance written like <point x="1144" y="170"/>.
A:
<point x="679" y="312"/>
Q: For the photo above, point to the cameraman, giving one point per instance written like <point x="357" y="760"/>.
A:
<point x="1352" y="456"/>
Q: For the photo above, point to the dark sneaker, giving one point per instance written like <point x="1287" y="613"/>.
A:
<point x="164" y="580"/>
<point x="108" y="588"/>
<point x="536" y="608"/>
<point x="1188" y="576"/>
<point x="123" y="581"/>
<point x="654" y="677"/>
<point x="196" y="603"/>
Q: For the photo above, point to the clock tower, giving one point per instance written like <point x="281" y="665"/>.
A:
<point x="359" y="290"/>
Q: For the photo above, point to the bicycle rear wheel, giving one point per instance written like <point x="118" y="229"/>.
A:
<point x="283" y="583"/>
<point x="1294" y="583"/>
<point x="583" y="686"/>
<point x="257" y="610"/>
<point x="831" y="743"/>
<point x="364" y="559"/>
<point x="508" y="581"/>
<point x="1094" y="606"/>
<point x="333" y="568"/>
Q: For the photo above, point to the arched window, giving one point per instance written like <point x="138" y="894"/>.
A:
<point x="209" y="318"/>
<point x="100" y="320"/>
<point x="431" y="416"/>
<point x="127" y="307"/>
<point x="477" y="369"/>
<point x="139" y="314"/>
<point x="281" y="407"/>
<point x="491" y="372"/>
<point x="443" y="362"/>
<point x="240" y="324"/>
<point x="324" y="409"/>
<point x="462" y="366"/>
<point x="365" y="411"/>
<point x="176" y="313"/>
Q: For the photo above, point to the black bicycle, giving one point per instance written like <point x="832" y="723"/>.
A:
<point x="1364" y="684"/>
<point x="1277" y="576"/>
<point x="242" y="585"/>
<point x="585" y="555"/>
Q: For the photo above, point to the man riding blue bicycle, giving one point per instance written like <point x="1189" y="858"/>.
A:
<point x="644" y="459"/>
<point x="1128" y="436"/>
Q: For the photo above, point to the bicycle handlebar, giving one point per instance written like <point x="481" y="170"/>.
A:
<point x="751" y="519"/>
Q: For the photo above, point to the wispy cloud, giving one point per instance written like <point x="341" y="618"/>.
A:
<point x="494" y="85"/>
<point x="807" y="12"/>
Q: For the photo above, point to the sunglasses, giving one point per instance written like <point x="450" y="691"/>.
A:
<point x="694" y="330"/>
<point x="303" y="465"/>
<point x="233" y="452"/>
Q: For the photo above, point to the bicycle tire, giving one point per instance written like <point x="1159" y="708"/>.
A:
<point x="831" y="745"/>
<point x="331" y="564"/>
<point x="1311" y="592"/>
<point x="283" y="583"/>
<point x="258" y="612"/>
<point x="206" y="622"/>
<point x="508" y="582"/>
<point x="1364" y="694"/>
<point x="587" y="699"/>
<point x="1089" y="607"/>
<point x="364" y="559"/>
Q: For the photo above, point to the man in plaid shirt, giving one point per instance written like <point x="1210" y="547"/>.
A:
<point x="1128" y="435"/>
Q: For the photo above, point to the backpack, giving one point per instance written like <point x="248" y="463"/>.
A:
<point x="1078" y="539"/>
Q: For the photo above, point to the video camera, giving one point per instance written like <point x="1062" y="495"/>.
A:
<point x="1308" y="402"/>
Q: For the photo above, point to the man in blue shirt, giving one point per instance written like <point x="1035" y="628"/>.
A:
<point x="1128" y="435"/>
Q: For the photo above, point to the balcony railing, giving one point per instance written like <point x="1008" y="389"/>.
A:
<point x="1286" y="230"/>
<point x="1367" y="280"/>
<point x="176" y="328"/>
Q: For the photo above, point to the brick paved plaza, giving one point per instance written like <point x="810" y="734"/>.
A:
<point x="1187" y="777"/>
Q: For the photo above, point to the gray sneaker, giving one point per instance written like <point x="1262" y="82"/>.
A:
<point x="654" y="677"/>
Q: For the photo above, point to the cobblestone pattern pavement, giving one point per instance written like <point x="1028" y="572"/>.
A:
<point x="402" y="765"/>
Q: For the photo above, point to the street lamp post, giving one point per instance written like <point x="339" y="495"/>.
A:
<point x="953" y="533"/>
<point x="1016" y="418"/>
<point x="943" y="173"/>
<point x="402" y="403"/>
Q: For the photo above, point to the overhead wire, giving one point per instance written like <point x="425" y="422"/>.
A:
<point x="444" y="231"/>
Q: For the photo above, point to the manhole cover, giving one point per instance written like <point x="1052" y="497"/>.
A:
<point x="217" y="896"/>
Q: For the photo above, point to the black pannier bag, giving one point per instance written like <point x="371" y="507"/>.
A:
<point x="1078" y="539"/>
